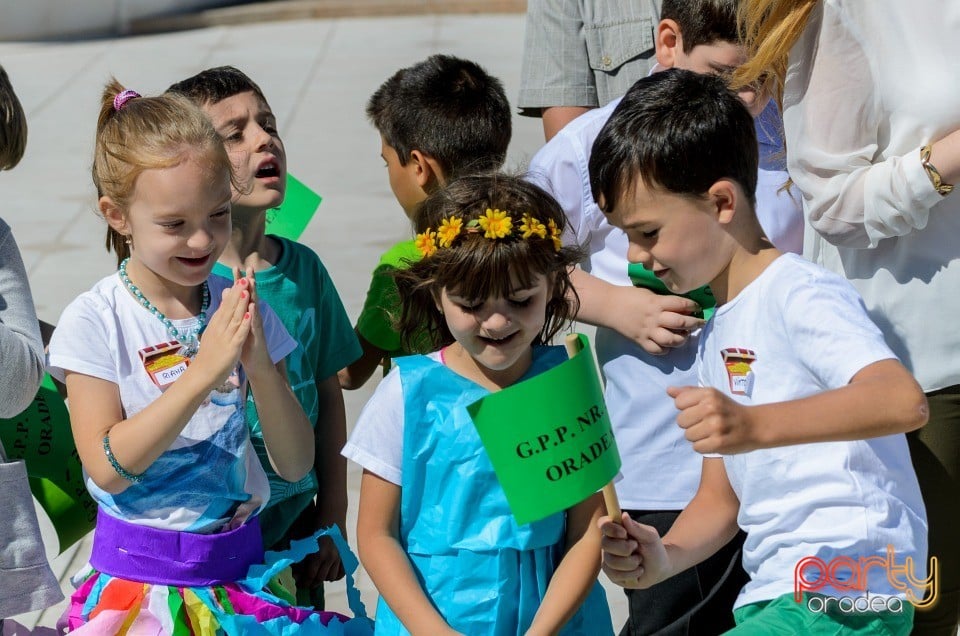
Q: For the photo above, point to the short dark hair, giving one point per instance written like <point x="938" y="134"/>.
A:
<point x="678" y="131"/>
<point x="703" y="21"/>
<point x="216" y="84"/>
<point x="447" y="108"/>
<point x="476" y="267"/>
<point x="13" y="125"/>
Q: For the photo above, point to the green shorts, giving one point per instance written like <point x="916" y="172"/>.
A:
<point x="783" y="615"/>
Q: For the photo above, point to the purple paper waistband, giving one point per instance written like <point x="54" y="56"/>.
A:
<point x="167" y="557"/>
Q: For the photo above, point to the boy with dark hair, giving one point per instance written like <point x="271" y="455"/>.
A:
<point x="439" y="119"/>
<point x="703" y="21"/>
<point x="446" y="109"/>
<point x="293" y="281"/>
<point x="797" y="388"/>
<point x="217" y="84"/>
<point x="646" y="337"/>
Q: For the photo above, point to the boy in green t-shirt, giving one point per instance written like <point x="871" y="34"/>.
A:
<point x="292" y="280"/>
<point x="438" y="120"/>
<point x="375" y="326"/>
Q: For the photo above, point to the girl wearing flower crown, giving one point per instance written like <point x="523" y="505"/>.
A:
<point x="435" y="532"/>
<point x="157" y="359"/>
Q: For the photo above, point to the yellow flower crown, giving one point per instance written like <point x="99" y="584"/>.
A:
<point x="495" y="224"/>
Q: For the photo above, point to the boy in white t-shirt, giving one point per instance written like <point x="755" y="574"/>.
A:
<point x="798" y="390"/>
<point x="641" y="340"/>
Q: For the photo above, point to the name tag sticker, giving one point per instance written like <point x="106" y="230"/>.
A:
<point x="165" y="362"/>
<point x="737" y="362"/>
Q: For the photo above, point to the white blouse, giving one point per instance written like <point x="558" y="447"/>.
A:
<point x="868" y="84"/>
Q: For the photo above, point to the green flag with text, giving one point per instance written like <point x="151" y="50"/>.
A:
<point x="42" y="438"/>
<point x="549" y="438"/>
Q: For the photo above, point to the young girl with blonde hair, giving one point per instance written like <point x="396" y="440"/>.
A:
<point x="157" y="359"/>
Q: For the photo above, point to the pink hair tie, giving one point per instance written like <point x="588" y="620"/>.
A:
<point x="123" y="97"/>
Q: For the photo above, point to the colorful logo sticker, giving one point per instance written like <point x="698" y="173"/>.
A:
<point x="739" y="373"/>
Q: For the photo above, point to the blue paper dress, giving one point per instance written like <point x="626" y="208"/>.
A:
<point x="485" y="574"/>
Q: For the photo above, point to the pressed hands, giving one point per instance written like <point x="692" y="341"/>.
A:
<point x="137" y="441"/>
<point x="225" y="338"/>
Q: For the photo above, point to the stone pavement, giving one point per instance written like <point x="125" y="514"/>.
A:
<point x="317" y="75"/>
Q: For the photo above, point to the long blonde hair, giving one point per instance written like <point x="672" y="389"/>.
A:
<point x="768" y="30"/>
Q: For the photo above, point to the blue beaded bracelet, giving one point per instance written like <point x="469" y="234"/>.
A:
<point x="123" y="472"/>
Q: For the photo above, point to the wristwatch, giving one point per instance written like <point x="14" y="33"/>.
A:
<point x="943" y="188"/>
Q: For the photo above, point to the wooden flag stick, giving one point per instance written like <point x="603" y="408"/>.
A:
<point x="572" y="344"/>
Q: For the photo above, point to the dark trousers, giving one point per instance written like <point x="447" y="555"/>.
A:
<point x="695" y="602"/>
<point x="301" y="528"/>
<point x="935" y="451"/>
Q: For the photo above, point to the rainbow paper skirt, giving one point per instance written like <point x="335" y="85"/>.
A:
<point x="144" y="581"/>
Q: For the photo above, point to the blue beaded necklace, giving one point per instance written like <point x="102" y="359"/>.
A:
<point x="188" y="338"/>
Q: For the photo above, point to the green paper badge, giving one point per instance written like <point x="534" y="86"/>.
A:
<point x="42" y="438"/>
<point x="549" y="438"/>
<point x="299" y="205"/>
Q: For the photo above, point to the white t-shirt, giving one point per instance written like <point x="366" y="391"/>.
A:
<point x="795" y="331"/>
<point x="868" y="84"/>
<point x="210" y="476"/>
<point x="660" y="469"/>
<point x="376" y="442"/>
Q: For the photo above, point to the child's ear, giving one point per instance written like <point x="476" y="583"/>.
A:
<point x="724" y="195"/>
<point x="437" y="301"/>
<point x="114" y="216"/>
<point x="602" y="203"/>
<point x="427" y="171"/>
<point x="668" y="43"/>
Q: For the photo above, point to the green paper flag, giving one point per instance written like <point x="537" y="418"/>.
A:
<point x="299" y="205"/>
<point x="640" y="276"/>
<point x="41" y="437"/>
<point x="73" y="514"/>
<point x="549" y="438"/>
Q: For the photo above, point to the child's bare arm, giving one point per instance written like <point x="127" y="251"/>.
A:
<point x="576" y="573"/>
<point x="137" y="441"/>
<point x="387" y="563"/>
<point x="331" y="466"/>
<point x="330" y="434"/>
<point x="287" y="433"/>
<point x="634" y="556"/>
<point x="881" y="399"/>
<point x="556" y="117"/>
<point x="356" y="374"/>
<point x="656" y="323"/>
